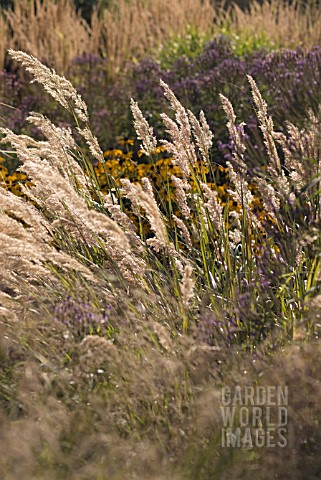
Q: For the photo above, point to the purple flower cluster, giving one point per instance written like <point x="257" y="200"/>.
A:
<point x="213" y="331"/>
<point x="81" y="319"/>
<point x="289" y="80"/>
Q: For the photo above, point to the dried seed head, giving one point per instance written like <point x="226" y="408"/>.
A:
<point x="58" y="87"/>
<point x="180" y="195"/>
<point x="143" y="130"/>
<point x="184" y="230"/>
<point x="202" y="134"/>
<point x="187" y="285"/>
<point x="92" y="143"/>
<point x="236" y="135"/>
<point x="139" y="198"/>
<point x="181" y="146"/>
<point x="213" y="207"/>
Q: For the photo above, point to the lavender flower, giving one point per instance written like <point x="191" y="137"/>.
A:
<point x="81" y="319"/>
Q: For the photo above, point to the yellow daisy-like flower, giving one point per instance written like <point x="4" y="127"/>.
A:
<point x="3" y="170"/>
<point x="127" y="141"/>
<point x="128" y="155"/>
<point x="114" y="153"/>
<point x="159" y="149"/>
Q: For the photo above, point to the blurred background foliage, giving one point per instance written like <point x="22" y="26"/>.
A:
<point x="87" y="6"/>
<point x="274" y="42"/>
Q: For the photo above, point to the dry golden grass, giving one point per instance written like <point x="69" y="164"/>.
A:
<point x="52" y="31"/>
<point x="3" y="38"/>
<point x="141" y="398"/>
<point x="286" y="24"/>
<point x="130" y="32"/>
<point x="55" y="33"/>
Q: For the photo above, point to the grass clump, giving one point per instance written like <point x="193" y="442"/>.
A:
<point x="126" y="305"/>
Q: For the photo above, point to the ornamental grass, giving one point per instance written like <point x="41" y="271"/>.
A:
<point x="125" y="304"/>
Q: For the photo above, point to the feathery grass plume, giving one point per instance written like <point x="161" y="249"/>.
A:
<point x="266" y="125"/>
<point x="301" y="148"/>
<point x="59" y="151"/>
<point x="202" y="215"/>
<point x="180" y="195"/>
<point x="73" y="214"/>
<point x="187" y="285"/>
<point x="52" y="31"/>
<point x="8" y="307"/>
<point x="63" y="200"/>
<point x="143" y="130"/>
<point x="147" y="187"/>
<point x="237" y="167"/>
<point x="270" y="199"/>
<point x="236" y="135"/>
<point x="213" y="207"/>
<point x="56" y="151"/>
<point x="183" y="229"/>
<point x="235" y="233"/>
<point x="284" y="24"/>
<point x="66" y="208"/>
<point x="62" y="135"/>
<point x="25" y="253"/>
<point x="176" y="258"/>
<point x="241" y="192"/>
<point x="202" y="134"/>
<point x="123" y="220"/>
<point x="139" y="198"/>
<point x="92" y="143"/>
<point x="57" y="86"/>
<point x="146" y="200"/>
<point x="182" y="147"/>
<point x="181" y="115"/>
<point x="180" y="157"/>
<point x="276" y="188"/>
<point x="25" y="213"/>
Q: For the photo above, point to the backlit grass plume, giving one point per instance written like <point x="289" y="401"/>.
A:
<point x="126" y="302"/>
<point x="150" y="242"/>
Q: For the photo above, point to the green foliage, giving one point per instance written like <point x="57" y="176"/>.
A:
<point x="245" y="43"/>
<point x="188" y="45"/>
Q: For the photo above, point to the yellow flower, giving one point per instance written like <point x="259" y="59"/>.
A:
<point x="159" y="149"/>
<point x="3" y="170"/>
<point x="127" y="155"/>
<point x="112" y="163"/>
<point x="113" y="153"/>
<point x="126" y="141"/>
